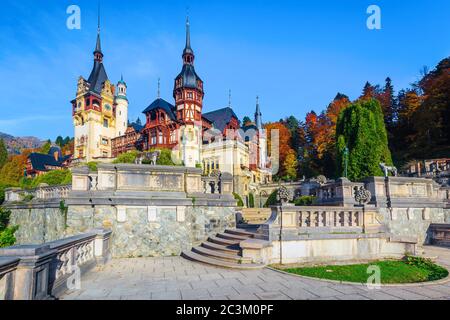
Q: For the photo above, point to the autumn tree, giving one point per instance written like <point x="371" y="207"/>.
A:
<point x="361" y="128"/>
<point x="290" y="165"/>
<point x="284" y="145"/>
<point x="3" y="153"/>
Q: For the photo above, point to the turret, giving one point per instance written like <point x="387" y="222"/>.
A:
<point x="121" y="108"/>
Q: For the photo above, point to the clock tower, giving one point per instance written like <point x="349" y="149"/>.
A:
<point x="188" y="94"/>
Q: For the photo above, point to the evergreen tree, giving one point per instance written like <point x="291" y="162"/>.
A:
<point x="46" y="147"/>
<point x="246" y="120"/>
<point x="60" y="141"/>
<point x="361" y="128"/>
<point x="3" y="153"/>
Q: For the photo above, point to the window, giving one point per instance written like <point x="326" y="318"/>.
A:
<point x="189" y="95"/>
<point x="160" y="137"/>
<point x="105" y="154"/>
<point x="104" y="141"/>
<point x="105" y="123"/>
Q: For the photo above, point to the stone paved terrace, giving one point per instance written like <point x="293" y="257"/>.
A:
<point x="174" y="278"/>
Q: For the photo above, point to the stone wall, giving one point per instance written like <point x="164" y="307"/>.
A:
<point x="38" y="225"/>
<point x="412" y="222"/>
<point x="152" y="231"/>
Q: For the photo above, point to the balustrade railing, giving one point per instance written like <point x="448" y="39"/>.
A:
<point x="36" y="272"/>
<point x="42" y="193"/>
<point x="312" y="218"/>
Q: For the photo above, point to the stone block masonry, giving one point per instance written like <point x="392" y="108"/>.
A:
<point x="152" y="210"/>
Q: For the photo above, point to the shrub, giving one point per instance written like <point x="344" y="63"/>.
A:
<point x="251" y="200"/>
<point x="165" y="157"/>
<point x="272" y="200"/>
<point x="53" y="178"/>
<point x="92" y="166"/>
<point x="128" y="157"/>
<point x="305" y="201"/>
<point x="7" y="237"/>
<point x="238" y="198"/>
<point x="436" y="272"/>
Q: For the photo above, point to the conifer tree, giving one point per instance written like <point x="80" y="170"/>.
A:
<point x="361" y="129"/>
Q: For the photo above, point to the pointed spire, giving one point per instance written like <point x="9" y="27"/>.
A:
<point x="229" y="98"/>
<point x="188" y="53"/>
<point x="98" y="48"/>
<point x="258" y="120"/>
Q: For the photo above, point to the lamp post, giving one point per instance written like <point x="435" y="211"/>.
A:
<point x="346" y="152"/>
<point x="363" y="196"/>
<point x="283" y="197"/>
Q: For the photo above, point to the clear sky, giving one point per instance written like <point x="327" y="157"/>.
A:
<point x="296" y="55"/>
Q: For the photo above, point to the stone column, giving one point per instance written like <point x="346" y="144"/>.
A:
<point x="31" y="277"/>
<point x="102" y="246"/>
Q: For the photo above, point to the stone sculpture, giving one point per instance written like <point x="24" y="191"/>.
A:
<point x="388" y="169"/>
<point x="284" y="195"/>
<point x="150" y="157"/>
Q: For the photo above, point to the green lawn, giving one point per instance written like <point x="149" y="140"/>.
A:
<point x="409" y="270"/>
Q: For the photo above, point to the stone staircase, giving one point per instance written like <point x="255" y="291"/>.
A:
<point x="222" y="250"/>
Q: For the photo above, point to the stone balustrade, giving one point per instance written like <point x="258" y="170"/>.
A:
<point x="36" y="272"/>
<point x="40" y="193"/>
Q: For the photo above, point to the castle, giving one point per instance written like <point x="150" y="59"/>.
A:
<point x="215" y="141"/>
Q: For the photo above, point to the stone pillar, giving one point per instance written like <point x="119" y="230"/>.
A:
<point x="31" y="277"/>
<point x="102" y="245"/>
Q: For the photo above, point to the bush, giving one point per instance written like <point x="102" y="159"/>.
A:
<point x="92" y="166"/>
<point x="53" y="178"/>
<point x="7" y="237"/>
<point x="251" y="200"/>
<point x="2" y="193"/>
<point x="128" y="157"/>
<point x="436" y="272"/>
<point x="272" y="200"/>
<point x="238" y="198"/>
<point x="305" y="201"/>
<point x="165" y="158"/>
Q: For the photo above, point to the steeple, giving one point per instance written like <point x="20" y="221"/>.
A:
<point x="188" y="53"/>
<point x="98" y="55"/>
<point x="258" y="115"/>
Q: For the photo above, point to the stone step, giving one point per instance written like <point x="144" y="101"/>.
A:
<point x="240" y="232"/>
<point x="224" y="242"/>
<point x="230" y="236"/>
<point x="219" y="247"/>
<point x="218" y="263"/>
<point x="221" y="255"/>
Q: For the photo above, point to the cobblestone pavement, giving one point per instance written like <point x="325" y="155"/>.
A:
<point x="174" y="278"/>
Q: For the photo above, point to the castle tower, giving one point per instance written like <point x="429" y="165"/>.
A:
<point x="188" y="94"/>
<point x="93" y="111"/>
<point x="262" y="139"/>
<point x="121" y="103"/>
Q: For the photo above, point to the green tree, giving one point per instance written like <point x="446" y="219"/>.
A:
<point x="53" y="178"/>
<point x="60" y="141"/>
<point x="246" y="120"/>
<point x="361" y="128"/>
<point x="238" y="198"/>
<point x="46" y="147"/>
<point x="3" y="153"/>
<point x="251" y="200"/>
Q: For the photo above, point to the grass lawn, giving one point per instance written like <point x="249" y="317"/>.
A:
<point x="409" y="270"/>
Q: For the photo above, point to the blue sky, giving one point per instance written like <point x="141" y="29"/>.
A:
<point x="296" y="55"/>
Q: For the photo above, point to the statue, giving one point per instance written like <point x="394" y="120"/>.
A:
<point x="362" y="195"/>
<point x="149" y="157"/>
<point x="387" y="169"/>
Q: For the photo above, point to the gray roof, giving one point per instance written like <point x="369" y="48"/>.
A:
<point x="164" y="105"/>
<point x="97" y="78"/>
<point x="189" y="76"/>
<point x="39" y="160"/>
<point x="220" y="118"/>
